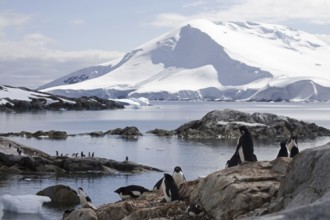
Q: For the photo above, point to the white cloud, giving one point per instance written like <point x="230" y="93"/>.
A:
<point x="316" y="11"/>
<point x="12" y="19"/>
<point x="31" y="62"/>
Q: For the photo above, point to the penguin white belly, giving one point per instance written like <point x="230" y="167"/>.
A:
<point x="241" y="154"/>
<point x="178" y="178"/>
<point x="167" y="193"/>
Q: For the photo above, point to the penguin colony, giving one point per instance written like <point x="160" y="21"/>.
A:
<point x="169" y="184"/>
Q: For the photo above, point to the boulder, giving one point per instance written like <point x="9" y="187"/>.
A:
<point x="224" y="124"/>
<point x="60" y="194"/>
<point x="141" y="209"/>
<point x="307" y="180"/>
<point x="240" y="191"/>
<point x="161" y="132"/>
<point x="80" y="214"/>
<point x="127" y="132"/>
<point x="80" y="165"/>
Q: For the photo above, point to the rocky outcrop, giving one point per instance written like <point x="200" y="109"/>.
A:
<point x="52" y="134"/>
<point x="284" y="188"/>
<point x="23" y="164"/>
<point x="80" y="214"/>
<point x="45" y="101"/>
<point x="127" y="132"/>
<point x="240" y="191"/>
<point x="36" y="161"/>
<point x="130" y="132"/>
<point x="305" y="189"/>
<point x="225" y="124"/>
<point x="161" y="132"/>
<point x="60" y="194"/>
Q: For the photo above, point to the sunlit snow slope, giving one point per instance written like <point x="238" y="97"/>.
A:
<point x="206" y="60"/>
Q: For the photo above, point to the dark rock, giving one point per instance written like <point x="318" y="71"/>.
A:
<point x="57" y="134"/>
<point x="60" y="194"/>
<point x="225" y="124"/>
<point x="36" y="161"/>
<point x="41" y="103"/>
<point x="80" y="165"/>
<point x="127" y="132"/>
<point x="161" y="132"/>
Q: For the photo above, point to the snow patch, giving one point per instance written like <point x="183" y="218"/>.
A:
<point x="241" y="123"/>
<point x="23" y="203"/>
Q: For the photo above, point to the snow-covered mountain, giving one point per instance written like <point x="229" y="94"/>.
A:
<point x="206" y="60"/>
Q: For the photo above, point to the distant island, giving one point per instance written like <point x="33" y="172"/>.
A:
<point x="14" y="99"/>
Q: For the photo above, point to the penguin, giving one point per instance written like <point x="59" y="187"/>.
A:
<point x="178" y="176"/>
<point x="158" y="185"/>
<point x="195" y="210"/>
<point x="85" y="201"/>
<point x="293" y="146"/>
<point x="56" y="153"/>
<point x="245" y="146"/>
<point x="170" y="189"/>
<point x="283" y="151"/>
<point x="131" y="191"/>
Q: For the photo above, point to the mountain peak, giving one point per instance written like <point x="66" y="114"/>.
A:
<point x="210" y="60"/>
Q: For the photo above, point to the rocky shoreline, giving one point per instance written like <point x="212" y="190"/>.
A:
<point x="284" y="188"/>
<point x="30" y="160"/>
<point x="216" y="124"/>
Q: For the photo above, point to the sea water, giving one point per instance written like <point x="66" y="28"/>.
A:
<point x="196" y="158"/>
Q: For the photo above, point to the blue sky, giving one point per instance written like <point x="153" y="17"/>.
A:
<point x="41" y="40"/>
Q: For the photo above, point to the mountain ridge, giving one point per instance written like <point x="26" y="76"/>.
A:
<point x="218" y="61"/>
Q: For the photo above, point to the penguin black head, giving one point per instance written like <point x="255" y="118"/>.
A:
<point x="195" y="210"/>
<point x="283" y="144"/>
<point x="243" y="129"/>
<point x="177" y="169"/>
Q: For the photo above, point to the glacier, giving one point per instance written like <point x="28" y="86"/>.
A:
<point x="204" y="60"/>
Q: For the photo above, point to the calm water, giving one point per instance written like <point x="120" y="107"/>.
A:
<point x="196" y="158"/>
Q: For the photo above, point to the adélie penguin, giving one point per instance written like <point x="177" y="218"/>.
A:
<point x="178" y="176"/>
<point x="131" y="191"/>
<point x="170" y="189"/>
<point x="283" y="150"/>
<point x="85" y="201"/>
<point x="195" y="210"/>
<point x="158" y="185"/>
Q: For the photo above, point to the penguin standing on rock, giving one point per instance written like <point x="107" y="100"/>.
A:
<point x="244" y="150"/>
<point x="158" y="185"/>
<point x="131" y="191"/>
<point x="283" y="150"/>
<point x="85" y="201"/>
<point x="178" y="176"/>
<point x="293" y="146"/>
<point x="170" y="189"/>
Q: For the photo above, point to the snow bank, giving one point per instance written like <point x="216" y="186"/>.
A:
<point x="23" y="203"/>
